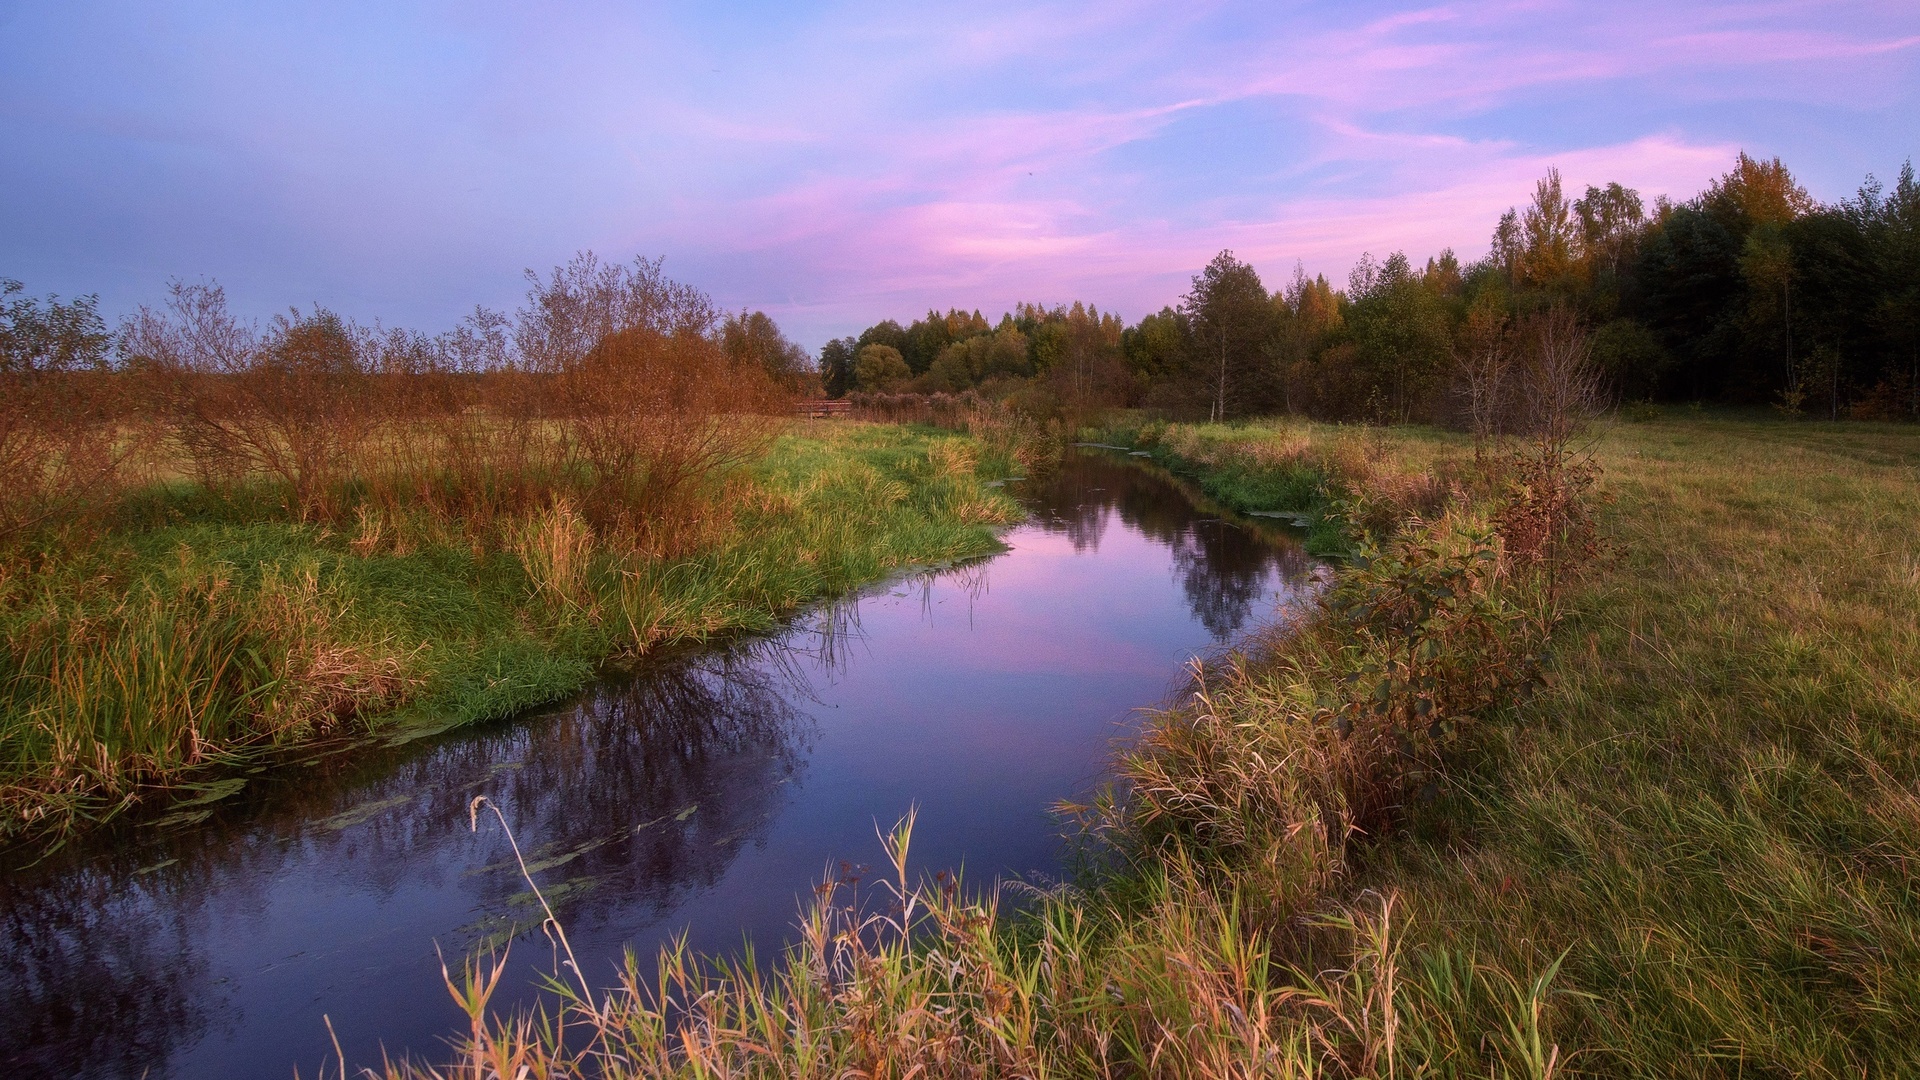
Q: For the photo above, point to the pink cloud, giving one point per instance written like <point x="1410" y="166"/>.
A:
<point x="986" y="208"/>
<point x="864" y="159"/>
<point x="951" y="248"/>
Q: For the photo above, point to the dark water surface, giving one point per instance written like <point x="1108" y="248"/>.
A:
<point x="702" y="795"/>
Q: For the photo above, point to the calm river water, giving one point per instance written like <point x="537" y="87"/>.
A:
<point x="704" y="795"/>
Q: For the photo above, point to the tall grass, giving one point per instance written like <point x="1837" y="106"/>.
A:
<point x="1710" y="808"/>
<point x="236" y="537"/>
<point x="1016" y="436"/>
<point x="204" y="627"/>
<point x="917" y="977"/>
<point x="1698" y="816"/>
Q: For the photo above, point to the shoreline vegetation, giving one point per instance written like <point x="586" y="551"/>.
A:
<point x="1216" y="932"/>
<point x="164" y="655"/>
<point x="235" y="540"/>
<point x="1608" y="778"/>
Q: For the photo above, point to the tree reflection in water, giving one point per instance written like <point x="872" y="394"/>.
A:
<point x="1223" y="564"/>
<point x="634" y="797"/>
<point x="647" y="791"/>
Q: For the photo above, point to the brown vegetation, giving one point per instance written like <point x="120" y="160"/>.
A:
<point x="1005" y="430"/>
<point x="63" y="435"/>
<point x="617" y="390"/>
<point x="606" y="420"/>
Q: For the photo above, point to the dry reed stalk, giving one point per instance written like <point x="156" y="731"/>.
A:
<point x="325" y="682"/>
<point x="555" y="547"/>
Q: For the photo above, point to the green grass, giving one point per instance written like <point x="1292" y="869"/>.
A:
<point x="1713" y="810"/>
<point x="1296" y="468"/>
<point x="201" y="627"/>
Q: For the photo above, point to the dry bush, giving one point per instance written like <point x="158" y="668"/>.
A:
<point x="64" y="440"/>
<point x="1537" y="378"/>
<point x="1545" y="519"/>
<point x="297" y="411"/>
<point x="294" y="405"/>
<point x="485" y="450"/>
<point x="612" y="389"/>
<point x="1562" y="390"/>
<point x="65" y="424"/>
<point x="1484" y="378"/>
<point x="649" y="418"/>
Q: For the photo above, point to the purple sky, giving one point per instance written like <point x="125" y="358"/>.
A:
<point x="835" y="164"/>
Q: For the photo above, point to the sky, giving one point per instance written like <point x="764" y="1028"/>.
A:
<point x="837" y="163"/>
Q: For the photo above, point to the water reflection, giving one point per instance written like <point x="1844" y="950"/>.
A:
<point x="699" y="794"/>
<point x="632" y="799"/>
<point x="1223" y="563"/>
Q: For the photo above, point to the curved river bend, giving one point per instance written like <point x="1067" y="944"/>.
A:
<point x="703" y="795"/>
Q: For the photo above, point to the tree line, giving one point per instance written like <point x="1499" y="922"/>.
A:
<point x="1749" y="293"/>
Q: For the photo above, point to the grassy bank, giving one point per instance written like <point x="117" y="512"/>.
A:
<point x="1217" y="940"/>
<point x="1712" y="810"/>
<point x="1646" y="812"/>
<point x="1305" y="470"/>
<point x="195" y="627"/>
<point x="1703" y="822"/>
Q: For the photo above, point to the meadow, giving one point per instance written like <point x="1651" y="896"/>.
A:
<point x="1607" y="776"/>
<point x="1698" y="818"/>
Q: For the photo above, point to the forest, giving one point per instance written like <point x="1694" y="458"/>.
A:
<point x="1751" y="293"/>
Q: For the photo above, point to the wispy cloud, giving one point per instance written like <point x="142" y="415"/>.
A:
<point x="844" y="162"/>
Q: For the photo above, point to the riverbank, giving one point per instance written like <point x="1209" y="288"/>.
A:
<point x="1710" y="810"/>
<point x="1224" y="857"/>
<point x="197" y="632"/>
<point x="1636" y="808"/>
<point x="1701" y="822"/>
<point x="1688" y="850"/>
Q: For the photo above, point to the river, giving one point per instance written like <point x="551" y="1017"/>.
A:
<point x="702" y="793"/>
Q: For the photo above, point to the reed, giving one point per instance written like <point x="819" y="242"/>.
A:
<point x="906" y="977"/>
<point x="1692" y="815"/>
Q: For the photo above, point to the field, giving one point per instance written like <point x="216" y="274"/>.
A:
<point x="1704" y="820"/>
<point x="194" y="630"/>
<point x="1711" y="810"/>
<point x="1674" y="837"/>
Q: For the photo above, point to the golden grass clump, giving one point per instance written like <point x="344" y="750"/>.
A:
<point x="327" y="680"/>
<point x="555" y="546"/>
<point x="920" y="978"/>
